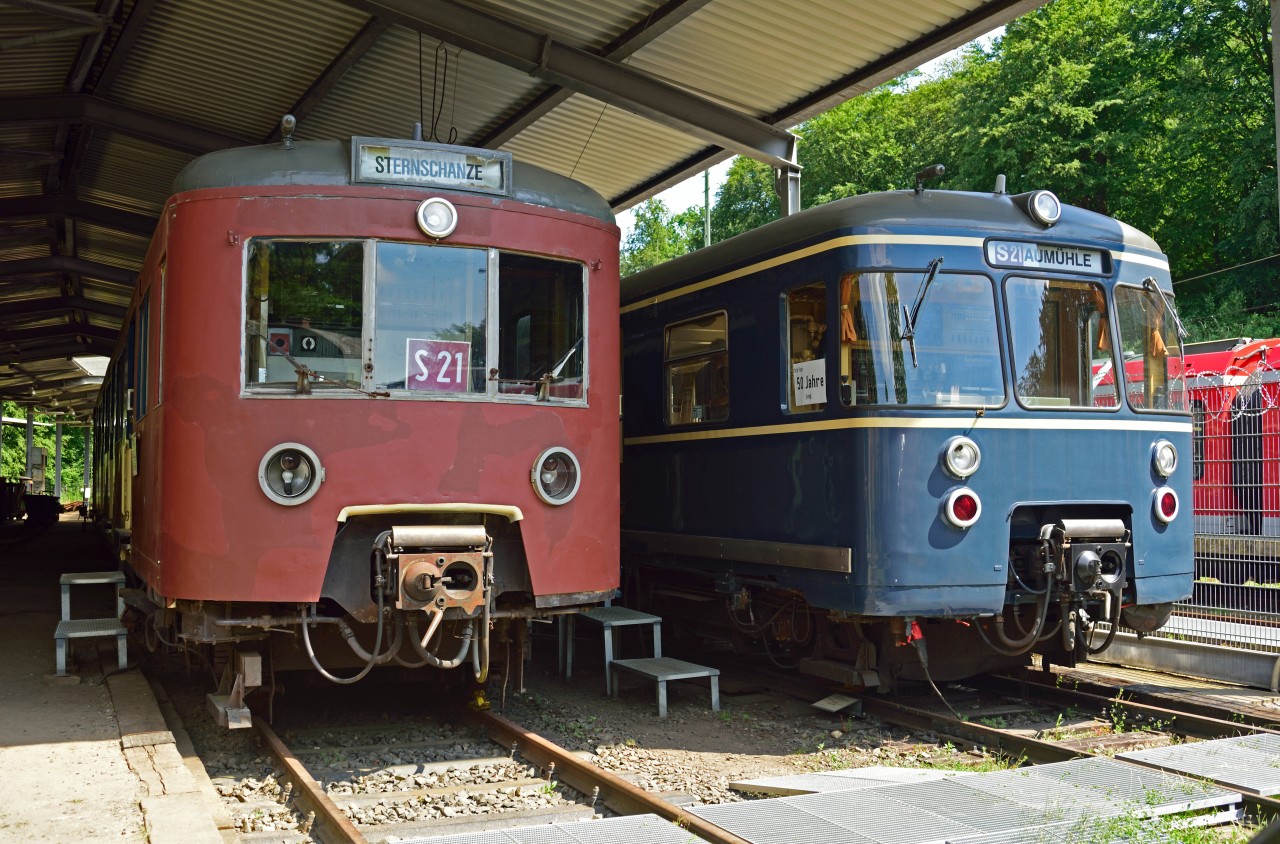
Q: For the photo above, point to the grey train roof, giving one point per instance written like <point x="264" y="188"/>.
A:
<point x="890" y="211"/>
<point x="329" y="163"/>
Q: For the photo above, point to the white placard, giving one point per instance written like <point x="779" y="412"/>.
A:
<point x="1045" y="256"/>
<point x="810" y="379"/>
<point x="421" y="164"/>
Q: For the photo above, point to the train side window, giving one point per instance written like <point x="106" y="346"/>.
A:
<point x="1060" y="337"/>
<point x="303" y="309"/>
<point x="804" y="332"/>
<point x="143" y="347"/>
<point x="697" y="370"/>
<point x="1152" y="350"/>
<point x="430" y="313"/>
<point x="542" y="326"/>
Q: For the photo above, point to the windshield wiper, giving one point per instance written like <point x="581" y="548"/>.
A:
<point x="909" y="317"/>
<point x="544" y="382"/>
<point x="1151" y="287"/>
<point x="306" y="375"/>
<point x="555" y="371"/>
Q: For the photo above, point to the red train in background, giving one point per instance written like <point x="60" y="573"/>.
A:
<point x="1234" y="388"/>
<point x="365" y="409"/>
<point x="1233" y="391"/>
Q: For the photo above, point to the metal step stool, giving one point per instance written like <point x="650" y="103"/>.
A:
<point x="663" y="670"/>
<point x="612" y="619"/>
<point x="79" y="628"/>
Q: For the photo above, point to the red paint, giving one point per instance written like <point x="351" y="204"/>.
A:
<point x="198" y="509"/>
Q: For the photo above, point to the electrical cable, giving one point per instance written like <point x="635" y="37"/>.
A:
<point x="377" y="641"/>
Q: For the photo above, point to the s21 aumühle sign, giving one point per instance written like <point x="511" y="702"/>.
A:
<point x="385" y="161"/>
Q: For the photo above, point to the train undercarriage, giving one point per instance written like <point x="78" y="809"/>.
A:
<point x="421" y="596"/>
<point x="1069" y="590"/>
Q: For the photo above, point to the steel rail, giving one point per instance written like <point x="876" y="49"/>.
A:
<point x="1039" y="678"/>
<point x="331" y="825"/>
<point x="618" y="794"/>
<point x="1022" y="747"/>
<point x="1183" y="721"/>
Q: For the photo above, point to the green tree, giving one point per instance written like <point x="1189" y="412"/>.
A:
<point x="658" y="236"/>
<point x="13" y="450"/>
<point x="746" y="199"/>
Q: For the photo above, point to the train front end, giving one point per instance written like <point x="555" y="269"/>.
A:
<point x="375" y="420"/>
<point x="978" y="446"/>
<point x="1027" y="444"/>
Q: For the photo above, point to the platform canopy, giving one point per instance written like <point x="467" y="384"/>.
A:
<point x="102" y="103"/>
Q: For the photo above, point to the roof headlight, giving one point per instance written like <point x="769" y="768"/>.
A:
<point x="437" y="217"/>
<point x="1040" y="205"/>
<point x="556" y="475"/>
<point x="1164" y="458"/>
<point x="961" y="457"/>
<point x="1045" y="207"/>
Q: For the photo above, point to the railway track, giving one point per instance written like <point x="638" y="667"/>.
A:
<point x="1097" y="725"/>
<point x="486" y="774"/>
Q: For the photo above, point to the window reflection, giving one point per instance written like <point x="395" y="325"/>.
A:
<point x="429" y="318"/>
<point x="1152" y="350"/>
<point x="305" y="304"/>
<point x="430" y="315"/>
<point x="957" y="346"/>
<point x="697" y="356"/>
<point x="1061" y="343"/>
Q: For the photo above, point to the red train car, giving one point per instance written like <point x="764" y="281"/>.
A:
<point x="365" y="408"/>
<point x="1234" y="388"/>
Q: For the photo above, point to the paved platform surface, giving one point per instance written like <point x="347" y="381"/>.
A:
<point x="89" y="757"/>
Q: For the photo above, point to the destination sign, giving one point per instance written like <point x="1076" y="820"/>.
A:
<point x="1047" y="256"/>
<point x="418" y="164"/>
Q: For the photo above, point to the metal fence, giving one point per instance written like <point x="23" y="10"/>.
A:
<point x="1236" y="471"/>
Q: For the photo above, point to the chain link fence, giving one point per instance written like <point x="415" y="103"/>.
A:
<point x="1236" y="473"/>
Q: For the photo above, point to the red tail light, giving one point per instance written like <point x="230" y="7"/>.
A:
<point x="1166" y="504"/>
<point x="962" y="507"/>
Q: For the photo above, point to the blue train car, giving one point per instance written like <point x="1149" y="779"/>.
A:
<point x="910" y="434"/>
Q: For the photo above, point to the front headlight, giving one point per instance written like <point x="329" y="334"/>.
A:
<point x="1164" y="458"/>
<point x="290" y="473"/>
<point x="961" y="457"/>
<point x="556" y="475"/>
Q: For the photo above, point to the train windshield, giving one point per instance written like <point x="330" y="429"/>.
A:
<point x="304" y="312"/>
<point x="957" y="344"/>
<point x="1149" y="339"/>
<point x="1061" y="343"/>
<point x="421" y="323"/>
<point x="429" y="318"/>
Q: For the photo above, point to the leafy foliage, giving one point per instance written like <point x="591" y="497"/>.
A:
<point x="659" y="236"/>
<point x="1156" y="112"/>
<point x="13" y="451"/>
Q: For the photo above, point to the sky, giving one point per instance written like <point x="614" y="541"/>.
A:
<point x="689" y="193"/>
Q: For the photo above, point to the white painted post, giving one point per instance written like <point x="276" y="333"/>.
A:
<point x="57" y="460"/>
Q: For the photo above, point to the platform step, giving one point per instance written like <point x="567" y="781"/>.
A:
<point x="664" y="668"/>
<point x="619" y="616"/>
<point x="77" y="628"/>
<point x="88" y="577"/>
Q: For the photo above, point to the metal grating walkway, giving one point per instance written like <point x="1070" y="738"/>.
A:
<point x="1251" y="762"/>
<point x="1067" y="802"/>
<point x="1045" y="802"/>
<point x="847" y="780"/>
<point x="634" y="829"/>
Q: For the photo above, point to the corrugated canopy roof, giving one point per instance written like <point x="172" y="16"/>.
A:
<point x="102" y="103"/>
